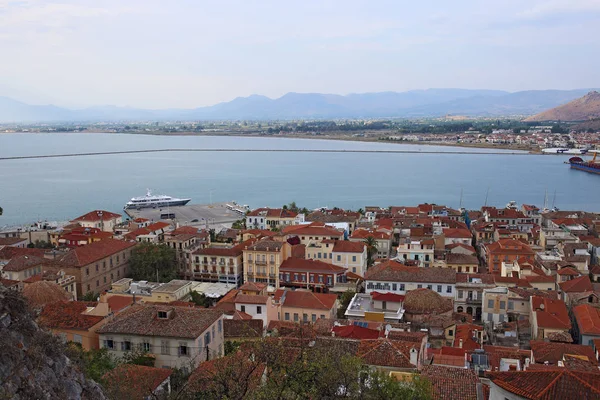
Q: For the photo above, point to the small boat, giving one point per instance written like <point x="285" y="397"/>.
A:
<point x="154" y="201"/>
<point x="592" y="165"/>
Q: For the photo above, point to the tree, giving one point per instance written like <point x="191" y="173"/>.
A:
<point x="293" y="207"/>
<point x="1" y="210"/>
<point x="371" y="244"/>
<point x="239" y="224"/>
<point x="361" y="211"/>
<point x="151" y="261"/>
<point x="137" y="356"/>
<point x="200" y="299"/>
<point x="344" y="302"/>
<point x="90" y="296"/>
<point x="94" y="363"/>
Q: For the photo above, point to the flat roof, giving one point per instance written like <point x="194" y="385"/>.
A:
<point x="213" y="289"/>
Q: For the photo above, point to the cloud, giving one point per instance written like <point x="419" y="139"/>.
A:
<point x="553" y="7"/>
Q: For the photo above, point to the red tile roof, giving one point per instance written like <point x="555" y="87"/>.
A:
<point x="466" y="333"/>
<point x="550" y="313"/>
<point x="8" y="252"/>
<point x="135" y="382"/>
<point x="568" y="271"/>
<point x="450" y="383"/>
<point x="509" y="246"/>
<point x="396" y="272"/>
<point x="549" y="385"/>
<point x="94" y="216"/>
<point x="272" y="213"/>
<point x="588" y="319"/>
<point x="303" y="299"/>
<point x="346" y="246"/>
<point x="393" y="297"/>
<point x="24" y="262"/>
<point x="577" y="285"/>
<point x="364" y="233"/>
<point x="250" y="299"/>
<point x="68" y="315"/>
<point x="355" y="332"/>
<point x="85" y="255"/>
<point x="457" y="233"/>
<point x="9" y="241"/>
<point x="460" y="245"/>
<point x="386" y="353"/>
<point x="314" y="229"/>
<point x="540" y="279"/>
<point x="240" y="315"/>
<point x="157" y="226"/>
<point x="40" y="293"/>
<point x="463" y="259"/>
<point x="116" y="303"/>
<point x="307" y="265"/>
<point x="554" y="351"/>
<point x="253" y="286"/>
<point x="184" y="322"/>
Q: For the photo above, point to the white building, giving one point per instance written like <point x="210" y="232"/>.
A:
<point x="177" y="337"/>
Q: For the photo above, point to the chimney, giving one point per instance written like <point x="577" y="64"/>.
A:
<point x="414" y="356"/>
<point x="460" y="343"/>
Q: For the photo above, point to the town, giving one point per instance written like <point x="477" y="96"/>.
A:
<point x="443" y="303"/>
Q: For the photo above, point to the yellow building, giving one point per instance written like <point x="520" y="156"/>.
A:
<point x="262" y="260"/>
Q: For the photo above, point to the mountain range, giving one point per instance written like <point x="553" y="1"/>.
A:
<point x="581" y="109"/>
<point x="409" y="104"/>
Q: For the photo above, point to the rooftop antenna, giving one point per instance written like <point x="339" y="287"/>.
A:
<point x="461" y="199"/>
<point x="486" y="196"/>
<point x="546" y="199"/>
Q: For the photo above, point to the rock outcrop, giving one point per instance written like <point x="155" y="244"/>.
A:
<point x="33" y="364"/>
<point x="582" y="109"/>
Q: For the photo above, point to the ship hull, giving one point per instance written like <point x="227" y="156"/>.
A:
<point x="158" y="204"/>
<point x="586" y="168"/>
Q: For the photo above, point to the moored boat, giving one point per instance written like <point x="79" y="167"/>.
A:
<point x="592" y="165"/>
<point x="154" y="201"/>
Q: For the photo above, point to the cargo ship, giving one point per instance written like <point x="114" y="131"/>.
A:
<point x="592" y="165"/>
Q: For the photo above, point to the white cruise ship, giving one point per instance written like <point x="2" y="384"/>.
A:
<point x="154" y="201"/>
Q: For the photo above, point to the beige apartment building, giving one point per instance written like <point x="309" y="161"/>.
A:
<point x="96" y="265"/>
<point x="263" y="259"/>
<point x="177" y="337"/>
<point x="103" y="220"/>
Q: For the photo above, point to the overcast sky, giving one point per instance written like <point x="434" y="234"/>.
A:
<point x="189" y="53"/>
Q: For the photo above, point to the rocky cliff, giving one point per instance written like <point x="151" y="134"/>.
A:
<point x="33" y="364"/>
<point x="582" y="109"/>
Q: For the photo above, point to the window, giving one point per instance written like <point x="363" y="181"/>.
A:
<point x="490" y="317"/>
<point x="426" y="257"/>
<point x="402" y="287"/>
<point x="183" y="350"/>
<point x="320" y="278"/>
<point x="220" y="326"/>
<point x="419" y="286"/>
<point x="104" y="279"/>
<point x="339" y="258"/>
<point x="384" y="305"/>
<point x="501" y="318"/>
<point x="459" y="269"/>
<point x="439" y="288"/>
<point x="243" y="308"/>
<point x="258" y="309"/>
<point x="305" y="317"/>
<point x="322" y="316"/>
<point x="511" y="305"/>
<point x="490" y="303"/>
<point x="207" y="338"/>
<point x="213" y="332"/>
<point x="314" y="317"/>
<point x="164" y="347"/>
<point x="287" y="316"/>
<point x="77" y="338"/>
<point x="394" y="287"/>
<point x="126" y="345"/>
<point x="96" y="267"/>
<point x="448" y="289"/>
<point x="502" y="304"/>
<point x="429" y="287"/>
<point x="329" y="281"/>
<point x="460" y="294"/>
<point x="109" y="344"/>
<point x="163" y="315"/>
<point x="353" y="258"/>
<point x="97" y="283"/>
<point x="450" y="332"/>
<point x="87" y="271"/>
<point x="147" y="347"/>
<point x="295" y="317"/>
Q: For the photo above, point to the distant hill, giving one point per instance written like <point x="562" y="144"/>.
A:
<point x="582" y="109"/>
<point x="410" y="104"/>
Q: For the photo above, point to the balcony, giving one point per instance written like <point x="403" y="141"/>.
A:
<point x="260" y="262"/>
<point x="473" y="300"/>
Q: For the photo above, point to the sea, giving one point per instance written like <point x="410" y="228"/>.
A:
<point x="59" y="189"/>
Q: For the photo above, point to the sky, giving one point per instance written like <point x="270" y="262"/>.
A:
<point x="192" y="53"/>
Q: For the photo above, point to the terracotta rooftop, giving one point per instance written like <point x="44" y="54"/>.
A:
<point x="236" y="328"/>
<point x="68" y="315"/>
<point x="312" y="229"/>
<point x="425" y="301"/>
<point x="386" y="353"/>
<point x="549" y="385"/>
<point x="23" y="262"/>
<point x="303" y="299"/>
<point x="396" y="272"/>
<point x="463" y="259"/>
<point x="293" y="264"/>
<point x="453" y="246"/>
<point x="97" y="216"/>
<point x="451" y="383"/>
<point x="457" y="233"/>
<point x="38" y="294"/>
<point x="391" y="297"/>
<point x="509" y="246"/>
<point x="581" y="284"/>
<point x="253" y="286"/>
<point x="88" y="254"/>
<point x="272" y="213"/>
<point x="554" y="351"/>
<point x="143" y="320"/>
<point x="550" y="313"/>
<point x="250" y="299"/>
<point x="265" y="245"/>
<point x="355" y="332"/>
<point x="116" y="303"/>
<point x="9" y="241"/>
<point x="8" y="252"/>
<point x="346" y="246"/>
<point x="135" y="382"/>
<point x="365" y="233"/>
<point x="587" y="318"/>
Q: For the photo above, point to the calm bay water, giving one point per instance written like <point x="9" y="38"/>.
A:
<point x="63" y="188"/>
